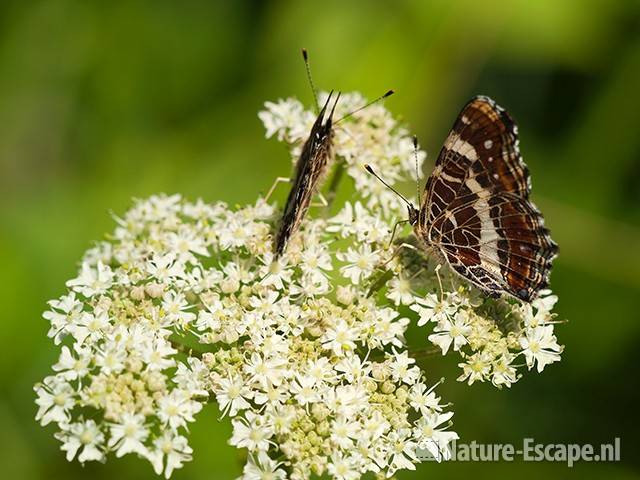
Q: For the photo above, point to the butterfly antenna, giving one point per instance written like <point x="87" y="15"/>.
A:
<point x="370" y="170"/>
<point x="333" y="109"/>
<point x="305" y="57"/>
<point x="381" y="97"/>
<point x="415" y="156"/>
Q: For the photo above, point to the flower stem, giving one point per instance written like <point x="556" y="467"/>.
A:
<point x="416" y="354"/>
<point x="424" y="352"/>
<point x="188" y="350"/>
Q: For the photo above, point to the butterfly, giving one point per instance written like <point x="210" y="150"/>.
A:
<point x="476" y="214"/>
<point x="317" y="153"/>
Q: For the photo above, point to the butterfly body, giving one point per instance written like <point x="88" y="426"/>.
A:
<point x="476" y="213"/>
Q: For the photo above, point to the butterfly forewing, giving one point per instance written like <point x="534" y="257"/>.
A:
<point x="482" y="147"/>
<point x="476" y="209"/>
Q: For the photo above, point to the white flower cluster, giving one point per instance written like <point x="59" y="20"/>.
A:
<point x="491" y="336"/>
<point x="185" y="304"/>
<point x="119" y="386"/>
<point x="312" y="383"/>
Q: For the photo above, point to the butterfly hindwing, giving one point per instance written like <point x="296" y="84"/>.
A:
<point x="499" y="243"/>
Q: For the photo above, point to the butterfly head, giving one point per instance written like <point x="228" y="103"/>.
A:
<point x="414" y="214"/>
<point x="322" y="129"/>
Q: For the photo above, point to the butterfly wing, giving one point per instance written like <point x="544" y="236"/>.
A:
<point x="481" y="146"/>
<point x="315" y="155"/>
<point x="477" y="210"/>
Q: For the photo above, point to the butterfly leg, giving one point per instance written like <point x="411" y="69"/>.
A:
<point x="437" y="270"/>
<point x="275" y="184"/>
<point x="393" y="232"/>
<point x="399" y="249"/>
<point x="322" y="202"/>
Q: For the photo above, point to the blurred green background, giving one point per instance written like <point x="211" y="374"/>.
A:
<point x="104" y="101"/>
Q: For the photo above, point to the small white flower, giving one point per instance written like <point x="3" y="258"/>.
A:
<point x="375" y="425"/>
<point x="361" y="262"/>
<point x="232" y="394"/>
<point x="128" y="435"/>
<point x="185" y="243"/>
<point x="85" y="437"/>
<point x="399" y="291"/>
<point x="345" y="294"/>
<point x="176" y="308"/>
<point x="177" y="409"/>
<point x="476" y="368"/>
<point x="424" y="400"/>
<point x="287" y="119"/>
<point x="250" y="432"/>
<point x="540" y="347"/>
<point x="344" y="431"/>
<point x="265" y="371"/>
<point x="343" y="468"/>
<point x="276" y="272"/>
<point x="401" y="370"/>
<point x="111" y="359"/>
<point x="70" y="366"/>
<point x="55" y="398"/>
<point x="92" y="280"/>
<point x="503" y="372"/>
<point x="432" y="436"/>
<point x="545" y="301"/>
<point x="352" y="366"/>
<point x="261" y="467"/>
<point x="63" y="315"/>
<point x="170" y="453"/>
<point x="432" y="309"/>
<point x="340" y="338"/>
<point x="388" y="329"/>
<point x="453" y="331"/>
<point x="403" y="450"/>
<point x="343" y="222"/>
<point x="165" y="267"/>
<point x="158" y="354"/>
<point x="304" y="389"/>
<point x="346" y="400"/>
<point x="90" y="325"/>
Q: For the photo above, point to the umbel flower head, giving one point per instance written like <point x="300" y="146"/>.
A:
<point x="185" y="305"/>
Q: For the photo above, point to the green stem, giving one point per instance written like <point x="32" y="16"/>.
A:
<point x="416" y="354"/>
<point x="425" y="352"/>
<point x="188" y="350"/>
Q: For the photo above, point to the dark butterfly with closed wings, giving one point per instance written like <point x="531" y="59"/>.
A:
<point x="476" y="214"/>
<point x="317" y="153"/>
